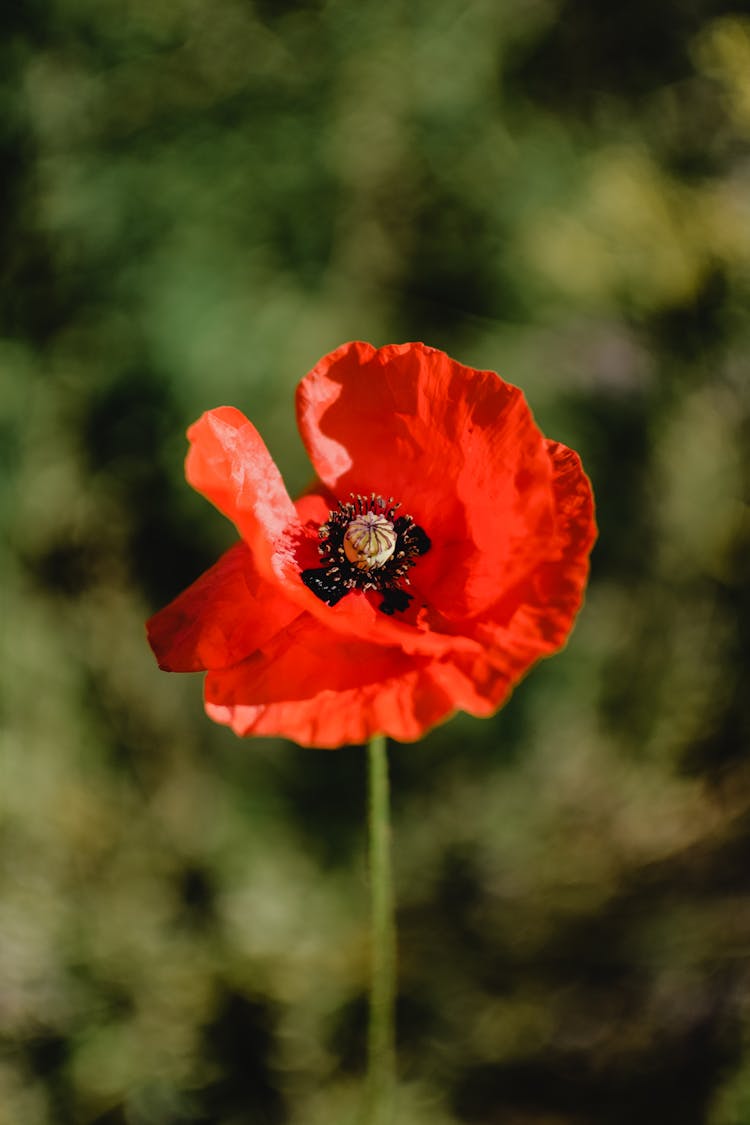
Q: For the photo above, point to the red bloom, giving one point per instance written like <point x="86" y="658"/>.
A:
<point x="442" y="550"/>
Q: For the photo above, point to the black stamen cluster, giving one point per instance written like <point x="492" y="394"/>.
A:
<point x="337" y="576"/>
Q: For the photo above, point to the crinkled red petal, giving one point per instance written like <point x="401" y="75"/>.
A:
<point x="534" y="619"/>
<point x="458" y="447"/>
<point x="228" y="613"/>
<point x="319" y="690"/>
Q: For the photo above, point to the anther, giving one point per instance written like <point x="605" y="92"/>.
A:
<point x="371" y="548"/>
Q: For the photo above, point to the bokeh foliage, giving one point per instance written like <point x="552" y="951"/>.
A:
<point x="199" y="198"/>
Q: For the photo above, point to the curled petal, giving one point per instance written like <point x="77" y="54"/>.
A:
<point x="229" y="464"/>
<point x="534" y="619"/>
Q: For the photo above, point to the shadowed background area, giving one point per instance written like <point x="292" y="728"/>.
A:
<point x="198" y="199"/>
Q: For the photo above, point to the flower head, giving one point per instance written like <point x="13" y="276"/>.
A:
<point x="441" y="551"/>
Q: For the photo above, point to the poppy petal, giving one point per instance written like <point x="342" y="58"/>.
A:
<point x="305" y="669"/>
<point x="535" y="619"/>
<point x="398" y="707"/>
<point x="378" y="692"/>
<point x="229" y="612"/>
<point x="458" y="447"/>
<point x="229" y="464"/>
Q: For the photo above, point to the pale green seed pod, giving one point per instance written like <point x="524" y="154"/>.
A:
<point x="369" y="541"/>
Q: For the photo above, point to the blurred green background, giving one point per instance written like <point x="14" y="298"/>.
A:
<point x="198" y="199"/>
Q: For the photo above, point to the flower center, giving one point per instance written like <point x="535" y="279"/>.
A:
<point x="369" y="541"/>
<point x="364" y="545"/>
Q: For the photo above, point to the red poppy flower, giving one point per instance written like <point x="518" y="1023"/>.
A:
<point x="442" y="550"/>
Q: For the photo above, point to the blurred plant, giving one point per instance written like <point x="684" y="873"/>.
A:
<point x="198" y="199"/>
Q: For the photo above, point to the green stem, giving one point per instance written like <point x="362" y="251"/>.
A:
<point x="381" y="1068"/>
